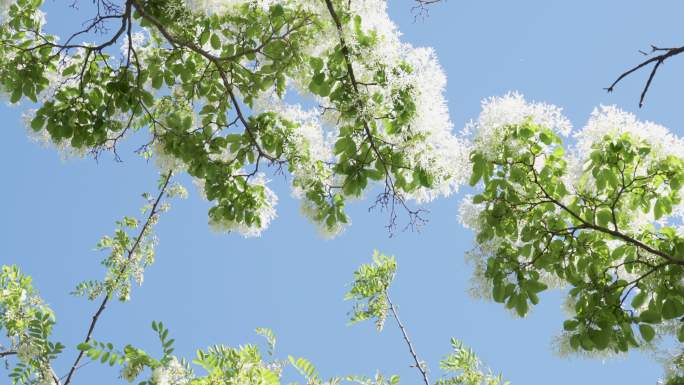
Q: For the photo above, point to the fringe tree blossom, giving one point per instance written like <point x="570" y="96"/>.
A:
<point x="605" y="220"/>
<point x="217" y="96"/>
<point x="512" y="109"/>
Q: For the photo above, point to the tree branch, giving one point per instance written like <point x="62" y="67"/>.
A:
<point x="605" y="230"/>
<point x="103" y="305"/>
<point x="419" y="363"/>
<point x="389" y="181"/>
<point x="658" y="60"/>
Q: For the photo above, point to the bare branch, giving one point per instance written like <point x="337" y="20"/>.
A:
<point x="8" y="353"/>
<point x="655" y="60"/>
<point x="420" y="365"/>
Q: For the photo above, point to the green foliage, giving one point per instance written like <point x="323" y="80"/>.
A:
<point x="369" y="289"/>
<point x="129" y="255"/>
<point x="463" y="361"/>
<point x="270" y="338"/>
<point x="539" y="224"/>
<point x="196" y="83"/>
<point x="27" y="323"/>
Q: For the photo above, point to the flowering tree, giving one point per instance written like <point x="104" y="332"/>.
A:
<point x="326" y="92"/>
<point x="323" y="90"/>
<point x="215" y="85"/>
<point x="602" y="216"/>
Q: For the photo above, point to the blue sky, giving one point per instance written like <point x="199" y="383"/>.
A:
<point x="211" y="288"/>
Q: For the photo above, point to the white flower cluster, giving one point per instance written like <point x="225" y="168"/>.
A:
<point x="173" y="373"/>
<point x="164" y="161"/>
<point x="225" y="6"/>
<point x="512" y="109"/>
<point x="138" y="40"/>
<point x="469" y="213"/>
<point x="4" y="8"/>
<point x="612" y="121"/>
<point x="444" y="154"/>
<point x="488" y="134"/>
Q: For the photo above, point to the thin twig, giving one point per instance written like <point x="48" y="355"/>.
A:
<point x="658" y="60"/>
<point x="8" y="353"/>
<point x="419" y="364"/>
<point x="131" y="251"/>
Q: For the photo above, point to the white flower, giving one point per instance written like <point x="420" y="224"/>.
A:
<point x="173" y="373"/>
<point x="160" y="376"/>
<point x="138" y="39"/>
<point x="4" y="8"/>
<point x="130" y="372"/>
<point x="469" y="213"/>
<point x="512" y="109"/>
<point x="225" y="6"/>
<point x="165" y="161"/>
<point x="612" y="121"/>
<point x="26" y="351"/>
<point x="444" y="155"/>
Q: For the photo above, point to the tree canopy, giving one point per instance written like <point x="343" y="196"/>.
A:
<point x="327" y="93"/>
<point x="323" y="89"/>
<point x="602" y="216"/>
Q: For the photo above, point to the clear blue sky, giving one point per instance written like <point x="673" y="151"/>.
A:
<point x="211" y="288"/>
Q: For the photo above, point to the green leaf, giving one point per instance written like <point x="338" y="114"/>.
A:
<point x="604" y="217"/>
<point x="521" y="306"/>
<point x="83" y="346"/>
<point x="37" y="123"/>
<point x="650" y="316"/>
<point x="499" y="293"/>
<point x="16" y="95"/>
<point x="600" y="338"/>
<point x="570" y="325"/>
<point x="672" y="308"/>
<point x="639" y="300"/>
<point x="647" y="332"/>
<point x="659" y="209"/>
<point x="204" y="37"/>
<point x="215" y="41"/>
<point x="277" y="10"/>
<point x="479" y="165"/>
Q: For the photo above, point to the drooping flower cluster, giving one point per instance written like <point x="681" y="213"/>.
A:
<point x="173" y="373"/>
<point x="500" y="112"/>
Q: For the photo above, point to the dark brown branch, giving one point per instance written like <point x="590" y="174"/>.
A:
<point x="103" y="305"/>
<point x="656" y="60"/>
<point x="606" y="230"/>
<point x="419" y="364"/>
<point x="217" y="64"/>
<point x="390" y="189"/>
<point x="8" y="353"/>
